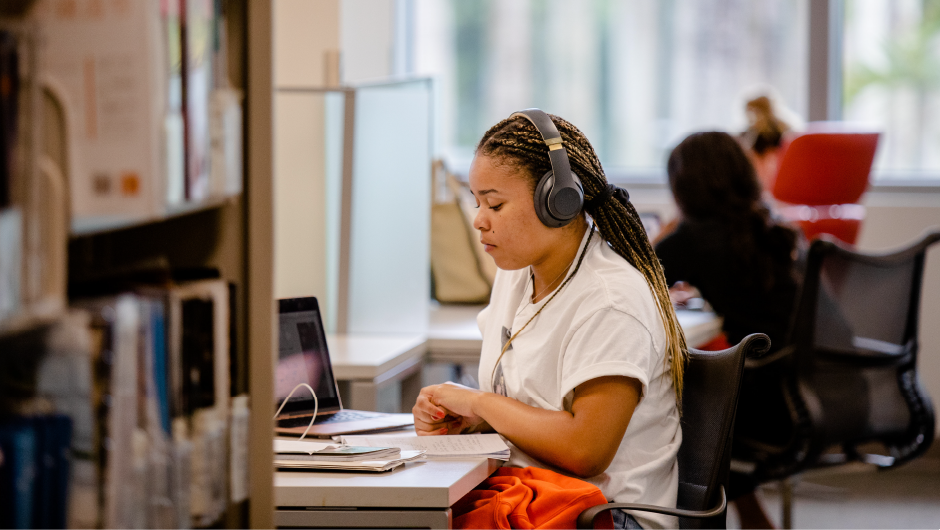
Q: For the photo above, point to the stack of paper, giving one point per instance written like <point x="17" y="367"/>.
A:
<point x="453" y="447"/>
<point x="309" y="454"/>
<point x="345" y="465"/>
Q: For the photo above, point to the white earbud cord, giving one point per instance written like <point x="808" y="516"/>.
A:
<point x="316" y="405"/>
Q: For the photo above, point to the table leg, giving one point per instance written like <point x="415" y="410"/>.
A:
<point x="363" y="395"/>
<point x="394" y="391"/>
<point x="410" y="388"/>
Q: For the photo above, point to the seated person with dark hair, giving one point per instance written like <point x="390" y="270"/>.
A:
<point x="728" y="246"/>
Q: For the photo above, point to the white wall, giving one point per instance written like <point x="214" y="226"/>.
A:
<point x="306" y="34"/>
<point x="368" y="40"/>
<point x="299" y="197"/>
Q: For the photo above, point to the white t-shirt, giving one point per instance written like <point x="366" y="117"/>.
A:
<point x="604" y="322"/>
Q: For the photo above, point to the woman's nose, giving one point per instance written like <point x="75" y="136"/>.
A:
<point x="479" y="222"/>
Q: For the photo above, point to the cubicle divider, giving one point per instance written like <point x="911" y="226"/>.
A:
<point x="365" y="161"/>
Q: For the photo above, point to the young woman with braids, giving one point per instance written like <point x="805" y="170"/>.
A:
<point x="745" y="264"/>
<point x="582" y="358"/>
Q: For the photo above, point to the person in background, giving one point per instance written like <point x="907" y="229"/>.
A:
<point x="763" y="137"/>
<point x="727" y="245"/>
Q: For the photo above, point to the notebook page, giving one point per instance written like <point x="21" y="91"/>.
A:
<point x="452" y="445"/>
<point x="301" y="446"/>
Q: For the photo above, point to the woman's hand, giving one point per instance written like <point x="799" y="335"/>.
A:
<point x="682" y="292"/>
<point x="446" y="409"/>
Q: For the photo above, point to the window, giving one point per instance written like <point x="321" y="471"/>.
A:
<point x="636" y="76"/>
<point x="892" y="80"/>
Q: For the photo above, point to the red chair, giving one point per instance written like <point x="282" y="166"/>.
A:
<point x="821" y="178"/>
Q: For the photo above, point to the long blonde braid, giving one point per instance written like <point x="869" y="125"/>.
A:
<point x="517" y="143"/>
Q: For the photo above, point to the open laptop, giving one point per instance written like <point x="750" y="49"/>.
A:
<point x="303" y="358"/>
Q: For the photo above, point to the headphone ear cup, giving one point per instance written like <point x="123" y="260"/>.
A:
<point x="542" y="191"/>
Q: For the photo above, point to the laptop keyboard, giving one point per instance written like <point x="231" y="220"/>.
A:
<point x="339" y="417"/>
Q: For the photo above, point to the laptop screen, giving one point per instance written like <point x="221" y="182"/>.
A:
<point x="303" y="358"/>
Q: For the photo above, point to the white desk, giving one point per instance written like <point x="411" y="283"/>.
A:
<point x="453" y="335"/>
<point x="699" y="326"/>
<point x="378" y="372"/>
<point x="416" y="495"/>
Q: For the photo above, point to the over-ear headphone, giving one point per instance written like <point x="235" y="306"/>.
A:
<point x="559" y="195"/>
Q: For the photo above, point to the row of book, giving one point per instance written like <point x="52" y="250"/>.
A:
<point x="34" y="456"/>
<point x="143" y="377"/>
<point x="9" y="99"/>
<point x="10" y="217"/>
<point x="151" y="119"/>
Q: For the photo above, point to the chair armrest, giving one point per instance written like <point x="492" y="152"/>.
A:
<point x="760" y="362"/>
<point x="586" y="519"/>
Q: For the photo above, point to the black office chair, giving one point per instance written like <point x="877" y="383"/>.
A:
<point x="709" y="399"/>
<point x="849" y="374"/>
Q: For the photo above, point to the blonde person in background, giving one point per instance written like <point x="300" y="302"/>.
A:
<point x="763" y="137"/>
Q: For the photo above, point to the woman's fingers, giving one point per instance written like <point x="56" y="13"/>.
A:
<point x="425" y="410"/>
<point x="432" y="417"/>
<point x="424" y="428"/>
<point x="457" y="425"/>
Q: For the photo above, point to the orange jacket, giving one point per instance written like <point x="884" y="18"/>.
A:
<point x="528" y="498"/>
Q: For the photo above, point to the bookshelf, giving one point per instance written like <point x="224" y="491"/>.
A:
<point x="232" y="234"/>
<point x="89" y="227"/>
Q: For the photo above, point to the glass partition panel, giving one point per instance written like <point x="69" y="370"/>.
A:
<point x="389" y="280"/>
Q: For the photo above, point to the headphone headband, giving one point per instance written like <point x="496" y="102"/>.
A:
<point x="558" y="195"/>
<point x="544" y="125"/>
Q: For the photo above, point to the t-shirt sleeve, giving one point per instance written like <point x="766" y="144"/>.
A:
<point x="608" y="343"/>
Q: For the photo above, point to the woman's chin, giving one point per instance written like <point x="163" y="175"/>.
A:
<point x="508" y="264"/>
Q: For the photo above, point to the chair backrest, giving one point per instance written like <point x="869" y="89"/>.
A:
<point x="709" y="402"/>
<point x="824" y="168"/>
<point x="855" y="348"/>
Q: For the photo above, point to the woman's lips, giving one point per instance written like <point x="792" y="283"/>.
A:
<point x="487" y="247"/>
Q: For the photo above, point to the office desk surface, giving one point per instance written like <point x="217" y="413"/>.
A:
<point x="431" y="484"/>
<point x="699" y="326"/>
<point x="453" y="335"/>
<point x="371" y="356"/>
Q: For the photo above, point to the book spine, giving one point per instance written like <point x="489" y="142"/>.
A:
<point x="174" y="147"/>
<point x="198" y="26"/>
<point x="18" y="447"/>
<point x="11" y="262"/>
<point x="9" y="97"/>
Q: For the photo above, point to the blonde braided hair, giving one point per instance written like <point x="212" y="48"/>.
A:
<point x="517" y="143"/>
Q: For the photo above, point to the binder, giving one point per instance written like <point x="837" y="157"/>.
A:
<point x="115" y="102"/>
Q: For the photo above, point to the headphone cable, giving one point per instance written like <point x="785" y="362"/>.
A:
<point x="316" y="406"/>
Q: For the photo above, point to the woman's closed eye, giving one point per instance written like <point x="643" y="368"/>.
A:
<point x="496" y="207"/>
